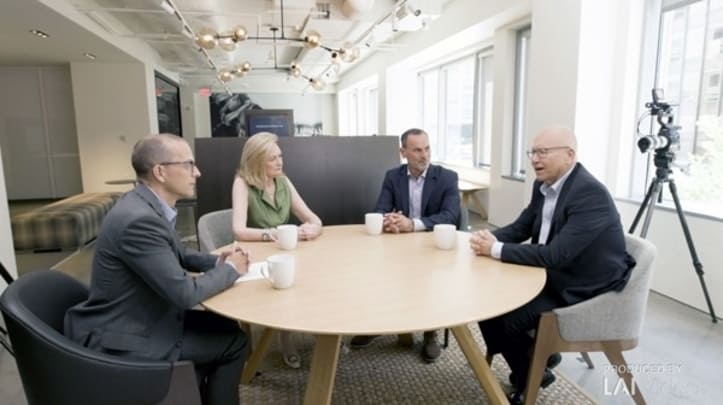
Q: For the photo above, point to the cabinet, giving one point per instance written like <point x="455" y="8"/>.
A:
<point x="38" y="139"/>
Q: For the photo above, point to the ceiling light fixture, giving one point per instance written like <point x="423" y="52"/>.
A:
<point x="168" y="7"/>
<point x="187" y="31"/>
<point x="89" y="55"/>
<point x="208" y="39"/>
<point x="39" y="33"/>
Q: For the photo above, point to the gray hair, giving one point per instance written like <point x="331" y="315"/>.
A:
<point x="411" y="131"/>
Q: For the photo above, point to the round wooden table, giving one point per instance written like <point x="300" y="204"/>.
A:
<point x="351" y="283"/>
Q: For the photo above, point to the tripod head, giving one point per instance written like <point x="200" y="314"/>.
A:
<point x="667" y="140"/>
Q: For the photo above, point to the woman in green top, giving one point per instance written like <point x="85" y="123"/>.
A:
<point x="262" y="199"/>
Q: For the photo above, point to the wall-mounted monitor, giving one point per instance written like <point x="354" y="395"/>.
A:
<point x="168" y="105"/>
<point x="279" y="122"/>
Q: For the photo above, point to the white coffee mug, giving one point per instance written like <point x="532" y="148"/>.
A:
<point x="445" y="236"/>
<point x="287" y="236"/>
<point x="280" y="270"/>
<point x="374" y="223"/>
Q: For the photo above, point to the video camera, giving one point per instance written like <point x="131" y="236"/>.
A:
<point x="668" y="135"/>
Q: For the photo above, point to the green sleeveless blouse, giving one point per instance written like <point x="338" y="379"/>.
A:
<point x="263" y="213"/>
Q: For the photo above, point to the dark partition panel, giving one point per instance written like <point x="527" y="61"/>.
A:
<point x="338" y="177"/>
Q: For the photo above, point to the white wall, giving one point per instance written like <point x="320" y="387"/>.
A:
<point x="7" y="251"/>
<point x="112" y="113"/>
<point x="674" y="274"/>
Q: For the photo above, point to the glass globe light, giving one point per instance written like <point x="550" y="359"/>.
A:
<point x="240" y="33"/>
<point x="206" y="38"/>
<point x="225" y="76"/>
<point x="317" y="83"/>
<point x="312" y="39"/>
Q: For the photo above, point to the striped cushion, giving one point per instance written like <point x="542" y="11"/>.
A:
<point x="68" y="223"/>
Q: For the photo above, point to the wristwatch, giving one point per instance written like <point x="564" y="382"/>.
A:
<point x="266" y="236"/>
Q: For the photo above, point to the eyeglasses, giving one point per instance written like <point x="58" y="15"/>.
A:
<point x="190" y="164"/>
<point x="543" y="152"/>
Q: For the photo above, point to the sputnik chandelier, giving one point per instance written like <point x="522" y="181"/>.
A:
<point x="208" y="39"/>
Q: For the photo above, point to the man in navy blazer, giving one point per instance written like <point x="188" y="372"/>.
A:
<point x="415" y="197"/>
<point x="575" y="233"/>
<point x="141" y="292"/>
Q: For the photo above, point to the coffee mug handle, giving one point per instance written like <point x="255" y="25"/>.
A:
<point x="265" y="272"/>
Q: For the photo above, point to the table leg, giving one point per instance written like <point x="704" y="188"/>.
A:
<point x="478" y="205"/>
<point x="323" y="370"/>
<point x="257" y="356"/>
<point x="476" y="360"/>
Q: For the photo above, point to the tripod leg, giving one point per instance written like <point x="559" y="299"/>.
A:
<point x="656" y="187"/>
<point x="691" y="248"/>
<point x="643" y="205"/>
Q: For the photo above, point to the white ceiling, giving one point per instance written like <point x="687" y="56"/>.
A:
<point x="365" y="23"/>
<point x="68" y="41"/>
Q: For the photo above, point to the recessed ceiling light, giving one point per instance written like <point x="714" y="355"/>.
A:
<point x="89" y="55"/>
<point x="39" y="33"/>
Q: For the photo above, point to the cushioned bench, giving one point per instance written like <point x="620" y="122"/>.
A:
<point x="66" y="224"/>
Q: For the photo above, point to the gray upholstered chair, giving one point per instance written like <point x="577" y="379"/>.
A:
<point x="56" y="370"/>
<point x="215" y="230"/>
<point x="610" y="323"/>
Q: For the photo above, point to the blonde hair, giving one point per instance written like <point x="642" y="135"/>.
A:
<point x="252" y="167"/>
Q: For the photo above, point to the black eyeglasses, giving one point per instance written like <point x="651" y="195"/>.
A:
<point x="190" y="164"/>
<point x="543" y="152"/>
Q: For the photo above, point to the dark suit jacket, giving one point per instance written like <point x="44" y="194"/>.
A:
<point x="585" y="251"/>
<point x="139" y="288"/>
<point x="440" y="195"/>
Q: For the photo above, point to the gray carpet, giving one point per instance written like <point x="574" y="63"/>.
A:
<point x="387" y="373"/>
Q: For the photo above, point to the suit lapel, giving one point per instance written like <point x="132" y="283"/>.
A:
<point x="430" y="184"/>
<point x="403" y="188"/>
<point x="557" y="216"/>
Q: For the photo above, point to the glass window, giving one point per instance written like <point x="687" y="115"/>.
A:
<point x="520" y="111"/>
<point x="359" y="109"/>
<point x="689" y="69"/>
<point x="455" y="108"/>
<point x="429" y="107"/>
<point x="483" y="128"/>
<point x="458" y="107"/>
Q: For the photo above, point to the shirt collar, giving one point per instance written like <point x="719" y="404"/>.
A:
<point x="556" y="186"/>
<point x="168" y="212"/>
<point x="421" y="176"/>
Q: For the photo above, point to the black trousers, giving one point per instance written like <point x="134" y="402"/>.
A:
<point x="508" y="334"/>
<point x="218" y="349"/>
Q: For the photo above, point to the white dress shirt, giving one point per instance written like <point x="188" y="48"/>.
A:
<point x="548" y="210"/>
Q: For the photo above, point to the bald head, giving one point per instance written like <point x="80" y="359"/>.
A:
<point x="553" y="153"/>
<point x="556" y="135"/>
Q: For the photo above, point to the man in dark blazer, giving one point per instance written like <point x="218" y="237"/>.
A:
<point x="141" y="291"/>
<point x="575" y="233"/>
<point x="415" y="197"/>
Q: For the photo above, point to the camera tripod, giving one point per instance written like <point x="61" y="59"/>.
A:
<point x="662" y="161"/>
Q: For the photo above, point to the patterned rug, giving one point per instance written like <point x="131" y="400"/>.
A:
<point x="387" y="373"/>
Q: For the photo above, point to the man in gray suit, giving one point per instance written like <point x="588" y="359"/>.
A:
<point x="141" y="292"/>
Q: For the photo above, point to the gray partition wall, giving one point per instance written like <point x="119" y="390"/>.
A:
<point x="338" y="177"/>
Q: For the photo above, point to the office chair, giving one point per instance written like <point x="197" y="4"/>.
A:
<point x="56" y="370"/>
<point x="610" y="323"/>
<point x="214" y="230"/>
